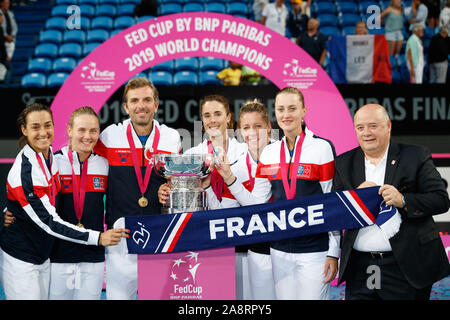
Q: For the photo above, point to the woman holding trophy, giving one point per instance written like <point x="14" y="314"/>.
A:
<point x="216" y="119"/>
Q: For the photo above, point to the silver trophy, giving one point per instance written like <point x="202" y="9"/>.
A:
<point x="184" y="173"/>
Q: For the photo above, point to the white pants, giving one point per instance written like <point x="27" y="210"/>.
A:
<point x="262" y="286"/>
<point x="418" y="73"/>
<point x="121" y="270"/>
<point x="76" y="281"/>
<point x="299" y="276"/>
<point x="23" y="280"/>
<point x="242" y="281"/>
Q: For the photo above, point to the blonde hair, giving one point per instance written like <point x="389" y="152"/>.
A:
<point x="253" y="106"/>
<point x="79" y="112"/>
<point x="292" y="90"/>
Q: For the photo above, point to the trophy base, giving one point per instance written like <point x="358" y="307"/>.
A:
<point x="185" y="200"/>
<point x="175" y="210"/>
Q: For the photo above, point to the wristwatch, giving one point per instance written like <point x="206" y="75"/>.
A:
<point x="403" y="202"/>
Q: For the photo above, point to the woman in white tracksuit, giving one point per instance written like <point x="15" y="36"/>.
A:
<point x="254" y="127"/>
<point x="32" y="185"/>
<point x="300" y="164"/>
<point x="302" y="267"/>
<point x="77" y="271"/>
<point x="216" y="118"/>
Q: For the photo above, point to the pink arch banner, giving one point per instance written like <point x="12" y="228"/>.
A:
<point x="201" y="34"/>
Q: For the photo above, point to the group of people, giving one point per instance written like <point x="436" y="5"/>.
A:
<point x="304" y="30"/>
<point x="53" y="239"/>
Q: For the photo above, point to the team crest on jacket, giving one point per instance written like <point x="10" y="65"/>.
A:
<point x="99" y="183"/>
<point x="304" y="170"/>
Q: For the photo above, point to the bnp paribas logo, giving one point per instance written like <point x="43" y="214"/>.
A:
<point x="92" y="72"/>
<point x="183" y="277"/>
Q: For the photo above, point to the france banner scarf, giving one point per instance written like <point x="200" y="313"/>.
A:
<point x="192" y="231"/>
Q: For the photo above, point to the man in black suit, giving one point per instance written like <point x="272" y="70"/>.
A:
<point x="406" y="265"/>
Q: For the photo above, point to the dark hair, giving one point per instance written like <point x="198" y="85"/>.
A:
<point x="221" y="99"/>
<point x="137" y="83"/>
<point x="22" y="119"/>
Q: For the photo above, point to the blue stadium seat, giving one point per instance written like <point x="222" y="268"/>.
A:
<point x="64" y="64"/>
<point x="330" y="31"/>
<point x="112" y="2"/>
<point x="65" y="2"/>
<point x="237" y="8"/>
<point x="325" y="7"/>
<point x="161" y="78"/>
<point x="88" y="47"/>
<point x="72" y="50"/>
<point x="50" y="36"/>
<point x="385" y="4"/>
<point x="87" y="10"/>
<point x="102" y="23"/>
<point x="135" y="2"/>
<point x="393" y="61"/>
<point x="56" y="79"/>
<point x="350" y="19"/>
<point x="348" y="30"/>
<point x="60" y="11"/>
<point x="85" y="23"/>
<point x="97" y="35"/>
<point x="144" y="18"/>
<point x="90" y="2"/>
<point x="115" y="31"/>
<point x="75" y="36"/>
<point x="56" y="23"/>
<point x="106" y="10"/>
<point x="40" y="65"/>
<point x="348" y="7"/>
<point x="125" y="10"/>
<point x="186" y="63"/>
<point x="327" y="20"/>
<point x="217" y="7"/>
<point x="428" y="33"/>
<point x="379" y="30"/>
<point x="164" y="66"/>
<point x="34" y="80"/>
<point x="170" y="8"/>
<point x="123" y="22"/>
<point x="364" y="5"/>
<point x="46" y="50"/>
<point x="193" y="7"/>
<point x="208" y="78"/>
<point x="211" y="63"/>
<point x="188" y="78"/>
<point x="396" y="76"/>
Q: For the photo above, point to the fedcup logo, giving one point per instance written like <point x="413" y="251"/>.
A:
<point x="299" y="76"/>
<point x="91" y="72"/>
<point x="293" y="69"/>
<point x="183" y="276"/>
